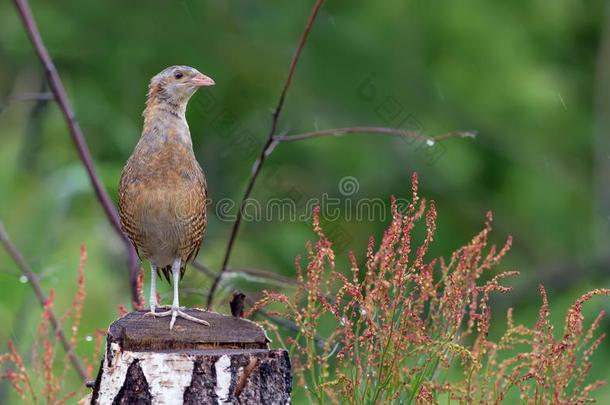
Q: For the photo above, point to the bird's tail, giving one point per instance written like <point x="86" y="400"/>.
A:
<point x="167" y="272"/>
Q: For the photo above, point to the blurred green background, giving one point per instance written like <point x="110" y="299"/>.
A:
<point x="530" y="77"/>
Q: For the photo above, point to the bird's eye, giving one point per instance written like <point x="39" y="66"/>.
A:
<point x="178" y="75"/>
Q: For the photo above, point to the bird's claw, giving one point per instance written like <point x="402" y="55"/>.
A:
<point x="153" y="308"/>
<point x="176" y="312"/>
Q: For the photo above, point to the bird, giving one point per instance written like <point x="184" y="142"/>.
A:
<point x="163" y="189"/>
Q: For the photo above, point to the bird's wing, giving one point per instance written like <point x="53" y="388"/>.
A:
<point x="195" y="211"/>
<point x="126" y="213"/>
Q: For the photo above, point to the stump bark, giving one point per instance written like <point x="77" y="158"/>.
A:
<point x="228" y="362"/>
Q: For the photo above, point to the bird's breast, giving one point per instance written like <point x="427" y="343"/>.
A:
<point x="163" y="193"/>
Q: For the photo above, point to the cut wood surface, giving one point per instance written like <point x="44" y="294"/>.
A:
<point x="227" y="362"/>
<point x="134" y="332"/>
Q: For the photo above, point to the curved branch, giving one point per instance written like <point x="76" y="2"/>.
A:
<point x="259" y="275"/>
<point x="42" y="298"/>
<point x="59" y="93"/>
<point x="267" y="148"/>
<point x="370" y="130"/>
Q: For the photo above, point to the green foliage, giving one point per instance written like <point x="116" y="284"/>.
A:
<point x="521" y="73"/>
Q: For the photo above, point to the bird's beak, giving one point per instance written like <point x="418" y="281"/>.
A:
<point x="201" y="80"/>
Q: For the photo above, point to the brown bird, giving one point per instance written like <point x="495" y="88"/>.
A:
<point x="162" y="193"/>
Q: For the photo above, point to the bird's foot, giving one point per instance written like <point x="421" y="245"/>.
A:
<point x="151" y="312"/>
<point x="168" y="307"/>
<point x="176" y="312"/>
<point x="153" y="308"/>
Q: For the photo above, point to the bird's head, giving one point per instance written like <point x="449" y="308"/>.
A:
<point x="175" y="85"/>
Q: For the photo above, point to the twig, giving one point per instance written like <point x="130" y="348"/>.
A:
<point x="33" y="97"/>
<point x="61" y="97"/>
<point x="28" y="156"/>
<point x="35" y="283"/>
<point x="249" y="273"/>
<point x="203" y="269"/>
<point x="26" y="97"/>
<point x="371" y="130"/>
<point x="289" y="325"/>
<point x="267" y="148"/>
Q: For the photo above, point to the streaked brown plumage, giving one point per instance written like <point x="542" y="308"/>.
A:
<point x="162" y="192"/>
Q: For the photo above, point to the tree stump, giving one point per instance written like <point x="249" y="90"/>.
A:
<point x="228" y="362"/>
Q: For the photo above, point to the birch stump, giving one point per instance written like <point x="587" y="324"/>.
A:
<point x="227" y="362"/>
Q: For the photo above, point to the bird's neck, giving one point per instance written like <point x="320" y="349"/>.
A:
<point x="164" y="109"/>
<point x="167" y="120"/>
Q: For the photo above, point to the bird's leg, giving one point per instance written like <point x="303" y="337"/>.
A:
<point x="176" y="303"/>
<point x="153" y="288"/>
<point x="153" y="291"/>
<point x="154" y="303"/>
<point x="175" y="310"/>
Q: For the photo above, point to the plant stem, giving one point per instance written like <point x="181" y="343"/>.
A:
<point x="42" y="299"/>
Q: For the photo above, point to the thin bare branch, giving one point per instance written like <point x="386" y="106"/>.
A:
<point x="402" y="133"/>
<point x="33" y="97"/>
<point x="204" y="269"/>
<point x="250" y="274"/>
<point x="42" y="299"/>
<point x="267" y="148"/>
<point x="288" y="325"/>
<point x="60" y="95"/>
<point x="261" y="276"/>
